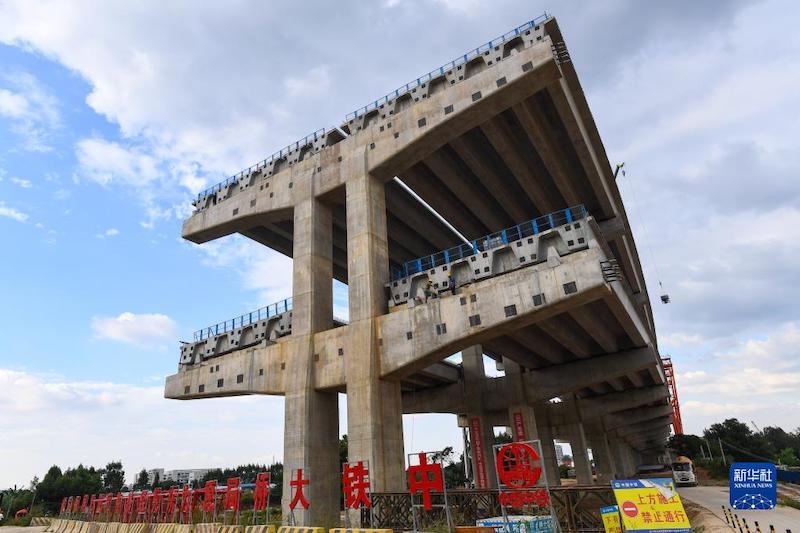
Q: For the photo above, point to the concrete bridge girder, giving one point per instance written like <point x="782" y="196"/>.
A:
<point x="523" y="123"/>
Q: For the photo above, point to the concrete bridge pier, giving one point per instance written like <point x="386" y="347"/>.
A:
<point x="622" y="458"/>
<point x="577" y="441"/>
<point x="603" y="459"/>
<point x="374" y="405"/>
<point x="530" y="419"/>
<point x="481" y="430"/>
<point x="547" y="439"/>
<point x="311" y="428"/>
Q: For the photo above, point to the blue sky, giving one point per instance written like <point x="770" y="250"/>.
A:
<point x="113" y="115"/>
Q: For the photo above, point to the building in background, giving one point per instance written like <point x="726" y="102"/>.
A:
<point x="180" y="477"/>
<point x="559" y="453"/>
<point x="152" y="473"/>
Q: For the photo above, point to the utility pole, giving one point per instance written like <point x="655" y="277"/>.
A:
<point x="724" y="461"/>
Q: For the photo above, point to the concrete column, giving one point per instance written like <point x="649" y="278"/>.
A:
<point x="480" y="428"/>
<point x="622" y="462"/>
<point x="603" y="460"/>
<point x="311" y="431"/>
<point x="374" y="406"/>
<point x="531" y="420"/>
<point x="367" y="247"/>
<point x="577" y="441"/>
<point x="546" y="437"/>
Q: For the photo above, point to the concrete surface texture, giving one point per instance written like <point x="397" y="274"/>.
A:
<point x="496" y="140"/>
<point x="714" y="497"/>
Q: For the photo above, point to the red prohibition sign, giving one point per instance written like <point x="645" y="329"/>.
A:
<point x="515" y="465"/>
<point x="629" y="509"/>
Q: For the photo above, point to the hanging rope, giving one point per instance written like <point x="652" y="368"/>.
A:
<point x="641" y="221"/>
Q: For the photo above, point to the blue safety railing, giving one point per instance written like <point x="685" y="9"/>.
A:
<point x="376" y="104"/>
<point x="244" y="320"/>
<point x="460" y="60"/>
<point x="514" y="233"/>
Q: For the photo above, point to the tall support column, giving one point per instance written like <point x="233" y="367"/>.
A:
<point x="547" y="439"/>
<point x="603" y="460"/>
<point x="621" y="459"/>
<point x="530" y="421"/>
<point x="480" y="429"/>
<point x="577" y="441"/>
<point x="374" y="406"/>
<point x="311" y="431"/>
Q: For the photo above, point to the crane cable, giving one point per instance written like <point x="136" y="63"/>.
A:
<point x="645" y="233"/>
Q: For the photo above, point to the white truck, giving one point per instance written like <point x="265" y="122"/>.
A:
<point x="683" y="472"/>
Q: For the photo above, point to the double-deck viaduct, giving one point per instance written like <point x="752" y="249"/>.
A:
<point x="502" y="145"/>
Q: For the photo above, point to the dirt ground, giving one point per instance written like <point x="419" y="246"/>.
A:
<point x="700" y="516"/>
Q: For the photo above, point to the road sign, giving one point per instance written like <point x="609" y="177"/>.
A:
<point x="650" y="506"/>
<point x="610" y="516"/>
<point x="753" y="486"/>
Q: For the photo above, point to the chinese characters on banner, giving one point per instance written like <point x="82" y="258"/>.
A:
<point x="753" y="486"/>
<point x="476" y="439"/>
<point x="261" y="494"/>
<point x="186" y="505"/>
<point x="355" y="485"/>
<point x="519" y="427"/>
<point x="232" y="495"/>
<point x="610" y="516"/>
<point x="521" y="485"/>
<point x="650" y="505"/>
<point x="425" y="478"/>
<point x="296" y="486"/>
<point x="209" y="496"/>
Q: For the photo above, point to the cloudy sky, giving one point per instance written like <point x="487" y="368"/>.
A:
<point x="112" y="115"/>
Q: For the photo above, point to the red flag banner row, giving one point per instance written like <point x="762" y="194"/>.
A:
<point x="168" y="505"/>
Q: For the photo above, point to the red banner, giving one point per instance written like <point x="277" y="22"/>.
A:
<point x="187" y="495"/>
<point x="478" y="453"/>
<point x="232" y="495"/>
<point x="519" y="427"/>
<point x="209" y="496"/>
<point x="261" y="494"/>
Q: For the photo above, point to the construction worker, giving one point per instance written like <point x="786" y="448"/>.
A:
<point x="428" y="290"/>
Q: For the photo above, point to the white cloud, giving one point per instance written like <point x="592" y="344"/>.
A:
<point x="25" y="184"/>
<point x="141" y="329"/>
<point x="10" y="212"/>
<point x="757" y="377"/>
<point x="93" y="422"/>
<point x="105" y="162"/>
<point x="268" y="274"/>
<point x="110" y="232"/>
<point x="31" y="109"/>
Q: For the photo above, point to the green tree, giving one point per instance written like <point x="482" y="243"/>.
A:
<point x="738" y="440"/>
<point x="687" y="445"/>
<point x="113" y="477"/>
<point x="503" y="438"/>
<point x="141" y="481"/>
<point x="788" y="457"/>
<point x="343" y="447"/>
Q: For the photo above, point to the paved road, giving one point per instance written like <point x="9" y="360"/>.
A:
<point x="713" y="498"/>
